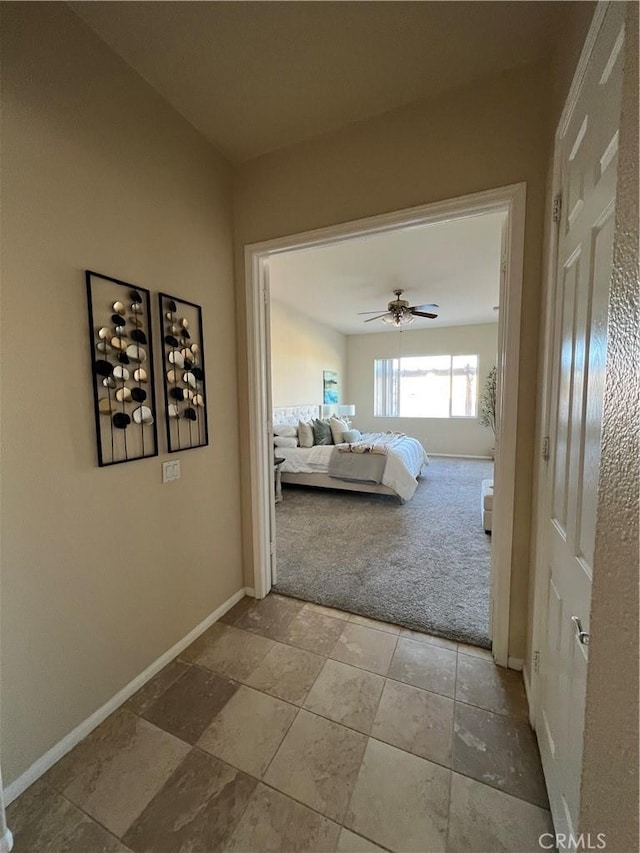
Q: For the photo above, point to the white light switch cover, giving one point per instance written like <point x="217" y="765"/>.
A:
<point x="170" y="470"/>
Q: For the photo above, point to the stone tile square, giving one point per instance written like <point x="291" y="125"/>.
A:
<point x="476" y="651"/>
<point x="421" y="637"/>
<point x="156" y="686"/>
<point x="274" y="823"/>
<point x="424" y="665"/>
<point x="191" y="703"/>
<point x="270" y="616"/>
<point x="400" y="801"/>
<point x="415" y="720"/>
<point x="481" y="682"/>
<point x="42" y="820"/>
<point x="248" y="730"/>
<point x="238" y="610"/>
<point x="482" y="818"/>
<point x="333" y="612"/>
<point x="314" y="632"/>
<point x="232" y="652"/>
<point x="205" y="639"/>
<point x="365" y="647"/>
<point x="346" y="694"/>
<point x="197" y="809"/>
<point x="317" y="764"/>
<point x="499" y="751"/>
<point x="349" y="842"/>
<point x="286" y="672"/>
<point x="375" y="623"/>
<point x="114" y="772"/>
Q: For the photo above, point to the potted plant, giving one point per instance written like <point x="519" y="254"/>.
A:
<point x="488" y="402"/>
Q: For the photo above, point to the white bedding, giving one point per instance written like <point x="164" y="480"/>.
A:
<point x="405" y="461"/>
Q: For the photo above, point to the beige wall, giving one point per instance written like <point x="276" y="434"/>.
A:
<point x="300" y="350"/>
<point x="460" y="436"/>
<point x="574" y="26"/>
<point x="97" y="171"/>
<point x="610" y="767"/>
<point x="488" y="134"/>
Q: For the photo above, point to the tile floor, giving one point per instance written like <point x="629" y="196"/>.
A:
<point x="292" y="727"/>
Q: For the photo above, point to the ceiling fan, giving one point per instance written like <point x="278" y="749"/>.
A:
<point x="400" y="313"/>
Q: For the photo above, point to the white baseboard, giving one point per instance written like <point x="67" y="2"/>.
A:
<point x="458" y="456"/>
<point x="527" y="684"/>
<point x="6" y="842"/>
<point x="39" y="767"/>
<point x="250" y="591"/>
<point x="527" y="689"/>
<point x="515" y="663"/>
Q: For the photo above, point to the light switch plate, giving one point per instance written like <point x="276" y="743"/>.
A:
<point x="170" y="470"/>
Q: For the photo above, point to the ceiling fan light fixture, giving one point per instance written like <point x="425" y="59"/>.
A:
<point x="398" y="318"/>
<point x="399" y="313"/>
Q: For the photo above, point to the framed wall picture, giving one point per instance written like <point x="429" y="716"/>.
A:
<point x="183" y="371"/>
<point x="330" y="393"/>
<point x="122" y="369"/>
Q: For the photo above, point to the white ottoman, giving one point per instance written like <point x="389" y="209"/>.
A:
<point x="486" y="504"/>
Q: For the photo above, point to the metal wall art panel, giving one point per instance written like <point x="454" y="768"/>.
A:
<point x="122" y="369"/>
<point x="184" y="373"/>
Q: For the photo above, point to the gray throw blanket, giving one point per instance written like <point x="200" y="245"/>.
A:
<point x="357" y="467"/>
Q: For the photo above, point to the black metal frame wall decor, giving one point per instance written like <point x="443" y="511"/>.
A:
<point x="122" y="369"/>
<point x="184" y="373"/>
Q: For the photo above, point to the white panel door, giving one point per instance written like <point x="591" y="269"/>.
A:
<point x="588" y="175"/>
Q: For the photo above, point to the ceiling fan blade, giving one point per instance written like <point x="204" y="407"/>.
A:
<point x="377" y="318"/>
<point x="368" y="312"/>
<point x="420" y="314"/>
<point x="424" y="307"/>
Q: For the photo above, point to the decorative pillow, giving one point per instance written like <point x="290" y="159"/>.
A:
<point x="285" y="441"/>
<point x="285" y="430"/>
<point x="338" y="426"/>
<point x="305" y="434"/>
<point x="351" y="435"/>
<point x="321" y="432"/>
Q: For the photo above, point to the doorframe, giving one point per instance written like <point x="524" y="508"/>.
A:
<point x="541" y="473"/>
<point x="509" y="199"/>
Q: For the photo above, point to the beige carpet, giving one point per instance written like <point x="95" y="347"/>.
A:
<point x="424" y="564"/>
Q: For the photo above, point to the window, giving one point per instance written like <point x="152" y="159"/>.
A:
<point x="429" y="386"/>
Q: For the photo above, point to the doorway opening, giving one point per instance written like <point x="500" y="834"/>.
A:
<point x="507" y="205"/>
<point x="416" y="378"/>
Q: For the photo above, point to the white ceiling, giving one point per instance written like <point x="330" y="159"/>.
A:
<point x="257" y="76"/>
<point x="454" y="264"/>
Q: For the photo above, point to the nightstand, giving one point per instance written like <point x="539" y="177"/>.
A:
<point x="277" y="465"/>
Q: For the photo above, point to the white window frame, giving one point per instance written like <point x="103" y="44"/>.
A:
<point x="400" y="359"/>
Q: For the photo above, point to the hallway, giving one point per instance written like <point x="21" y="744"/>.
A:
<point x="292" y="727"/>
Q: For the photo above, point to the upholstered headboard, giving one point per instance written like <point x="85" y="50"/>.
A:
<point x="293" y="414"/>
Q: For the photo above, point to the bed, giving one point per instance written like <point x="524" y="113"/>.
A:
<point x="402" y="462"/>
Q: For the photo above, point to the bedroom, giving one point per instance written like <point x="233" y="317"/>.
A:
<point x="414" y="553"/>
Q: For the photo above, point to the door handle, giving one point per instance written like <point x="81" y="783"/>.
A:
<point x="583" y="636"/>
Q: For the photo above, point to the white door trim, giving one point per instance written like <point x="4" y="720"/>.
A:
<point x="510" y="199"/>
<point x="543" y="497"/>
<point x="6" y="837"/>
<point x="260" y="455"/>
